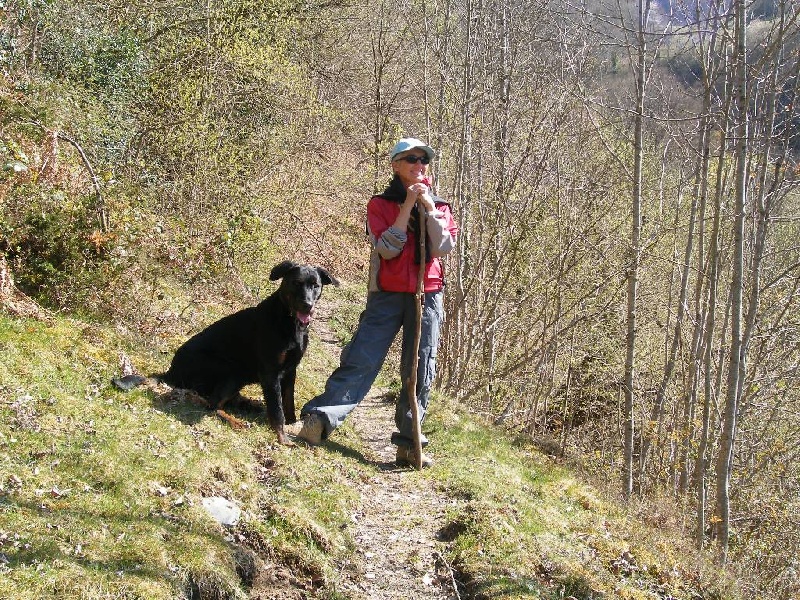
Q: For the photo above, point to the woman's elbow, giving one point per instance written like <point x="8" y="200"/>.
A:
<point x="387" y="252"/>
<point x="443" y="249"/>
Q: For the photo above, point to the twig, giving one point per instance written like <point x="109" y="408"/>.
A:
<point x="439" y="556"/>
<point x="100" y="207"/>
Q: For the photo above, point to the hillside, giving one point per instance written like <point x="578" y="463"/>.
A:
<point x="622" y="295"/>
<point x="101" y="496"/>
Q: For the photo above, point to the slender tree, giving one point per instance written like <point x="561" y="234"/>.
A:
<point x="737" y="351"/>
<point x="635" y="246"/>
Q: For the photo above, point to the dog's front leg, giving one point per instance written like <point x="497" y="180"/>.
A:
<point x="272" y="398"/>
<point x="287" y="395"/>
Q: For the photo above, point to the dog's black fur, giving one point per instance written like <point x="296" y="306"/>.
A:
<point x="261" y="344"/>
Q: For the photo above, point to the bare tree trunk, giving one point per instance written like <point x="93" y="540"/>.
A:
<point x="737" y="349"/>
<point x="658" y="406"/>
<point x="706" y="318"/>
<point x="701" y="463"/>
<point x="635" y="249"/>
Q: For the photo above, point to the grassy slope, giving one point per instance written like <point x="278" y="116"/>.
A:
<point x="100" y="495"/>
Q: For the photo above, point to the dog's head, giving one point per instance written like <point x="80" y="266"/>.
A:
<point x="301" y="287"/>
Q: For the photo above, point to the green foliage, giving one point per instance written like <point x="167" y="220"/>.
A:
<point x="13" y="159"/>
<point x="85" y="49"/>
<point x="344" y="321"/>
<point x="191" y="130"/>
<point x="50" y="244"/>
<point x="218" y="101"/>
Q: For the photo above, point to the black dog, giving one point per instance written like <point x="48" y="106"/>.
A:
<point x="262" y="344"/>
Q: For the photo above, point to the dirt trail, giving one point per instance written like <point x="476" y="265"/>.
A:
<point x="396" y="526"/>
<point x="398" y="520"/>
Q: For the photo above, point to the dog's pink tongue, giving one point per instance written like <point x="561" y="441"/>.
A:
<point x="304" y="318"/>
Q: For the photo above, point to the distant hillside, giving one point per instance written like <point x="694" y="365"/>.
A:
<point x="686" y="12"/>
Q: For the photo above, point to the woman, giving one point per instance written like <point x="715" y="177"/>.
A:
<point x="393" y="226"/>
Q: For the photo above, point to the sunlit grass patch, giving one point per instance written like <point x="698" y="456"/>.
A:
<point x="101" y="494"/>
<point x="100" y="490"/>
<point x="527" y="528"/>
<point x="348" y="302"/>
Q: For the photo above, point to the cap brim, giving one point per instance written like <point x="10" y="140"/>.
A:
<point x="426" y="149"/>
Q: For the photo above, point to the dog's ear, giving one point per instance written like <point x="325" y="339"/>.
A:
<point x="327" y="278"/>
<point x="281" y="269"/>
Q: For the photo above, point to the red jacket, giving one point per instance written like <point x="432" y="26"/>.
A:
<point x="392" y="264"/>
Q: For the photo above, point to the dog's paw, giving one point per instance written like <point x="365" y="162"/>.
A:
<point x="283" y="439"/>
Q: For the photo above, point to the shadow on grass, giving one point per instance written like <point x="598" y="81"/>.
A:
<point x="508" y="588"/>
<point x="485" y="587"/>
<point x="64" y="548"/>
<point x="348" y="452"/>
<point x="190" y="408"/>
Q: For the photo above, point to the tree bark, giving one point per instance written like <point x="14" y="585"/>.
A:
<point x="737" y="349"/>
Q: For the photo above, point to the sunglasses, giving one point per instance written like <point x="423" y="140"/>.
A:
<point x="411" y="159"/>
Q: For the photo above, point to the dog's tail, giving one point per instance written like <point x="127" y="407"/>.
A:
<point x="130" y="379"/>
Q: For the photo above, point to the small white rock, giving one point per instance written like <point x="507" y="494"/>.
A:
<point x="223" y="511"/>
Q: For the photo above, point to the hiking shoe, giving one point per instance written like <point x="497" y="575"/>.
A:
<point x="312" y="429"/>
<point x="407" y="457"/>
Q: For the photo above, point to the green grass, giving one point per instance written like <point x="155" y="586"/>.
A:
<point x="100" y="494"/>
<point x="100" y="490"/>
<point x="529" y="529"/>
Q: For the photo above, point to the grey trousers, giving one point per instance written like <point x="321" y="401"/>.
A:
<point x="385" y="314"/>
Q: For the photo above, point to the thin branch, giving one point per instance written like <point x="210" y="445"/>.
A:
<point x="100" y="208"/>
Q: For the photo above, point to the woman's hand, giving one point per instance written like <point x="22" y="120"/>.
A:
<point x="420" y="193"/>
<point x="415" y="193"/>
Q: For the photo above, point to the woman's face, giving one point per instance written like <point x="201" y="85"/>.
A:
<point x="410" y="172"/>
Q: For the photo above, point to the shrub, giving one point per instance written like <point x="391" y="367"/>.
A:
<point x="52" y="245"/>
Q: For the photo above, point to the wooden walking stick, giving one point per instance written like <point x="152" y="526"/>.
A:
<point x="412" y="378"/>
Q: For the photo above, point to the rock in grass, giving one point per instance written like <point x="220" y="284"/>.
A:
<point x="128" y="382"/>
<point x="223" y="511"/>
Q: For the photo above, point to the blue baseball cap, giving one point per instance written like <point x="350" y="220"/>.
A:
<point x="409" y="144"/>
